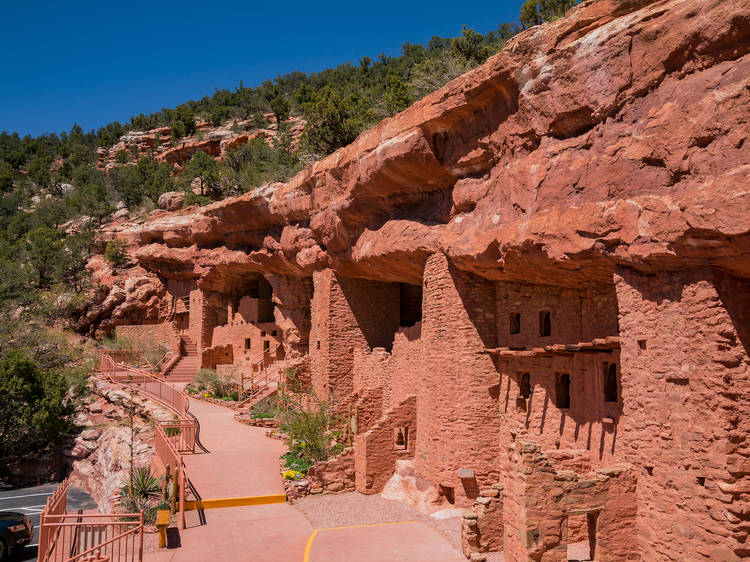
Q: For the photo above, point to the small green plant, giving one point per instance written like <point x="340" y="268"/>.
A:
<point x="193" y="199"/>
<point x="116" y="253"/>
<point x="122" y="157"/>
<point x="313" y="434"/>
<point x="220" y="385"/>
<point x="141" y="490"/>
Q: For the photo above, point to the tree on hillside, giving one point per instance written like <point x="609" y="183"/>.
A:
<point x="34" y="413"/>
<point x="333" y="121"/>
<point x="43" y="245"/>
<point x="469" y="46"/>
<point x="6" y="176"/>
<point x="536" y="12"/>
<point x="77" y="250"/>
<point x="280" y="107"/>
<point x="182" y="123"/>
<point x="204" y="167"/>
<point x="145" y="179"/>
<point x="39" y="171"/>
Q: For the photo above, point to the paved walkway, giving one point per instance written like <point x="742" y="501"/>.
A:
<point x="244" y="462"/>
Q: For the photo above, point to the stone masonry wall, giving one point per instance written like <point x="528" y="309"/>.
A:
<point x="590" y="422"/>
<point x="149" y="334"/>
<point x="347" y="314"/>
<point x="686" y="398"/>
<point x="576" y="315"/>
<point x="376" y="450"/>
<point x="539" y="499"/>
<point x="457" y="412"/>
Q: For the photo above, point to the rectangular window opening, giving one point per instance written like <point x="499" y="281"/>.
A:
<point x="410" y="304"/>
<point x="248" y="343"/>
<point x="400" y="438"/>
<point x="562" y="391"/>
<point x="448" y="493"/>
<point x="610" y="382"/>
<point x="266" y="345"/>
<point x="514" y="319"/>
<point x="545" y="323"/>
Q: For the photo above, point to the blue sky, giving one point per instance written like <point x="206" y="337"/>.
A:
<point x="96" y="62"/>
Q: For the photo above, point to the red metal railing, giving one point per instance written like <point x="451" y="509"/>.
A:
<point x="90" y="537"/>
<point x="155" y="387"/>
<point x="94" y="537"/>
<point x="172" y="437"/>
<point x="54" y="506"/>
<point x="168" y="456"/>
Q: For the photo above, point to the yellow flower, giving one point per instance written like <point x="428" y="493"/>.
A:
<point x="292" y="475"/>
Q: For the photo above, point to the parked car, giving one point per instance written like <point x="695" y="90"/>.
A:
<point x="16" y="531"/>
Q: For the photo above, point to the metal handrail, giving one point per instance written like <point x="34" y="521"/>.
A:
<point x="168" y="447"/>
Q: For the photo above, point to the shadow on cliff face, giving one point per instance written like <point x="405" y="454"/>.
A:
<point x="735" y="297"/>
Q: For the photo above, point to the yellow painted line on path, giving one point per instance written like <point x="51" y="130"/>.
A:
<point x="235" y="502"/>
<point x="308" y="546"/>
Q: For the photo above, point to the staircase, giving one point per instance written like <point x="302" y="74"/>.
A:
<point x="267" y="385"/>
<point x="188" y="365"/>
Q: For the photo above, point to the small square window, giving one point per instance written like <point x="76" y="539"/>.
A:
<point x="545" y="323"/>
<point x="401" y="438"/>
<point x="262" y="333"/>
<point x="514" y="320"/>
<point x="273" y="333"/>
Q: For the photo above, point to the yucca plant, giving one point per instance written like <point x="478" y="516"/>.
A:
<point x="144" y="484"/>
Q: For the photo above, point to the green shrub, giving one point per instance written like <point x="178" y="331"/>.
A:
<point x="116" y="253"/>
<point x="220" y="385"/>
<point x="312" y="432"/>
<point x="122" y="157"/>
<point x="193" y="199"/>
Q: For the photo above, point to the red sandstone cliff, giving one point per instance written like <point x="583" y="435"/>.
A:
<point x="617" y="135"/>
<point x="553" y="180"/>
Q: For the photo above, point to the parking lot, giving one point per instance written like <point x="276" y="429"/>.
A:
<point x="30" y="501"/>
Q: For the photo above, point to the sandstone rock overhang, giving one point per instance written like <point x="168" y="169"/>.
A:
<point x="614" y="136"/>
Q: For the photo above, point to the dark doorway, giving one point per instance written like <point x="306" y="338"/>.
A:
<point x="410" y="304"/>
<point x="545" y="323"/>
<point x="610" y="383"/>
<point x="562" y="391"/>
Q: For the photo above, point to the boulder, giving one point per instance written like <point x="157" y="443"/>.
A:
<point x="171" y="200"/>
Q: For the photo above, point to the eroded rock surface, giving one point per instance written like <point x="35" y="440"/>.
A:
<point x="616" y="135"/>
<point x="100" y="454"/>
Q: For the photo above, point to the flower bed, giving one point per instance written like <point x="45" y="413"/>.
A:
<point x="333" y="476"/>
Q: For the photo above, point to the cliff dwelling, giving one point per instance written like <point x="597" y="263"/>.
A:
<point x="500" y="288"/>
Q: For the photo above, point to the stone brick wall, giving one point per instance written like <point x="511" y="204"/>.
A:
<point x="376" y="451"/>
<point x="457" y="417"/>
<point x="220" y="355"/>
<point x="395" y="375"/>
<point x="588" y="424"/>
<point x="538" y="500"/>
<point x="686" y="402"/>
<point x="576" y="315"/>
<point x="149" y="334"/>
<point x="347" y="314"/>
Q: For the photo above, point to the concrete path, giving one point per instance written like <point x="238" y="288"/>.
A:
<point x="244" y="462"/>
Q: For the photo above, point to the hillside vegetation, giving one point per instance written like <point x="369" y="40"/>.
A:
<point x="54" y="199"/>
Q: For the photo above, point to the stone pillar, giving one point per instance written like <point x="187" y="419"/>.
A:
<point x="347" y="314"/>
<point x="457" y="411"/>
